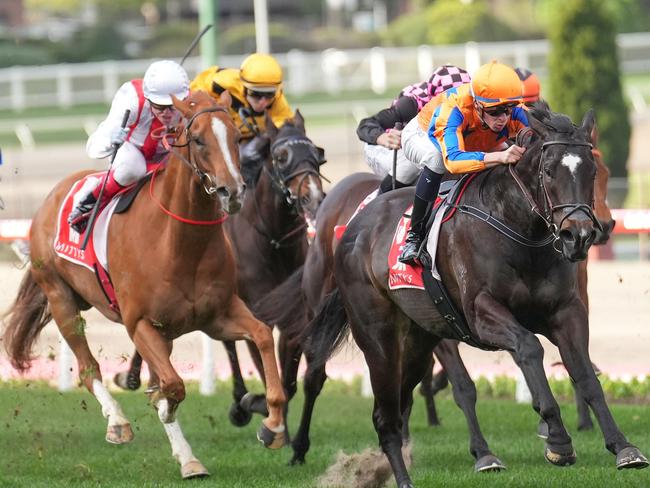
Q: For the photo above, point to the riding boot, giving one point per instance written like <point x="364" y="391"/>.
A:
<point x="387" y="184"/>
<point x="426" y="191"/>
<point x="78" y="218"/>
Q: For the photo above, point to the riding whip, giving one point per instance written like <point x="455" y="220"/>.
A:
<point x="398" y="126"/>
<point x="93" y="215"/>
<point x="194" y="43"/>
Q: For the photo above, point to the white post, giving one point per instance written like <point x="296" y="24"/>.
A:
<point x="425" y="62"/>
<point x="64" y="86"/>
<point x="472" y="57"/>
<point x="262" y="43"/>
<point x="297" y="72"/>
<point x="206" y="386"/>
<point x="65" y="365"/>
<point x="522" y="393"/>
<point x="377" y="70"/>
<point x="110" y="80"/>
<point x="366" y="386"/>
<point x="17" y="89"/>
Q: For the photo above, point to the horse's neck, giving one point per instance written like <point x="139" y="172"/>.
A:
<point x="272" y="208"/>
<point x="501" y="194"/>
<point x="178" y="191"/>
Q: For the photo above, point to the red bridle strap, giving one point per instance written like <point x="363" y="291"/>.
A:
<point x="178" y="217"/>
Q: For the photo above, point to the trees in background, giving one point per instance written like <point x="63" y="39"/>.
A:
<point x="584" y="73"/>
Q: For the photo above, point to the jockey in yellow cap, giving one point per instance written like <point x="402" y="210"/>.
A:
<point x="256" y="89"/>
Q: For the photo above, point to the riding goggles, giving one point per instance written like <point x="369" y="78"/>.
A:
<point x="499" y="110"/>
<point x="160" y="108"/>
<point x="269" y="95"/>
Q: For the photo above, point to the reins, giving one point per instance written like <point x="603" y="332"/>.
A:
<point x="202" y="175"/>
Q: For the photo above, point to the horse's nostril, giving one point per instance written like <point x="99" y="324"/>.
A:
<point x="567" y="236"/>
<point x="223" y="192"/>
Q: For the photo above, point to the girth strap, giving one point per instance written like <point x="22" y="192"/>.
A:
<point x="438" y="293"/>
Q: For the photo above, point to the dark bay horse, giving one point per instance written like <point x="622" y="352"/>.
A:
<point x="291" y="305"/>
<point x="171" y="276"/>
<point x="268" y="237"/>
<point x="507" y="292"/>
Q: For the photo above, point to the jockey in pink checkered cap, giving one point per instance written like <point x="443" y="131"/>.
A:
<point x="381" y="136"/>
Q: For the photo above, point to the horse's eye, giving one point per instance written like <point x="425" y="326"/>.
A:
<point x="547" y="171"/>
<point x="198" y="141"/>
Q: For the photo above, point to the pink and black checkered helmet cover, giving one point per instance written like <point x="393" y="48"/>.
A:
<point x="443" y="78"/>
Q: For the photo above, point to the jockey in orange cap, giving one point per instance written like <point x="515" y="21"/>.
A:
<point x="531" y="85"/>
<point x="467" y="131"/>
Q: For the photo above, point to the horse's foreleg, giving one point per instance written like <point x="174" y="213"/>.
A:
<point x="464" y="392"/>
<point x="241" y="324"/>
<point x="495" y="325"/>
<point x="166" y="390"/>
<point x="72" y="326"/>
<point x="570" y="333"/>
<point x="130" y="380"/>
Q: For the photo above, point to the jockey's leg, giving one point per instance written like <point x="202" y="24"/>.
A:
<point x="128" y="167"/>
<point x="419" y="150"/>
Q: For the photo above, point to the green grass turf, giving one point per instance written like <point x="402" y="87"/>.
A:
<point x="51" y="439"/>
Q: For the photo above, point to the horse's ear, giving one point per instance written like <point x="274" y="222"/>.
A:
<point x="589" y="123"/>
<point x="271" y="128"/>
<point x="538" y="126"/>
<point x="299" y="121"/>
<point x="183" y="106"/>
<point x="225" y="99"/>
<point x="321" y="156"/>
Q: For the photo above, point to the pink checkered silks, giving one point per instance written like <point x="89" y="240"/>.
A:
<point x="443" y="78"/>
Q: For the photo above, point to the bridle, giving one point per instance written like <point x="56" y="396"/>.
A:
<point x="211" y="186"/>
<point x="546" y="214"/>
<point x="281" y="175"/>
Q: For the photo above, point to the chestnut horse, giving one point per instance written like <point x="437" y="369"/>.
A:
<point x="170" y="277"/>
<point x="507" y="292"/>
<point x="269" y="239"/>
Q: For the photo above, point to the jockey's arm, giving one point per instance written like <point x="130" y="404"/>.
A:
<point x="99" y="143"/>
<point x="371" y="129"/>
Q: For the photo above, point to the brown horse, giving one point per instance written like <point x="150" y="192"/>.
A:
<point x="507" y="292"/>
<point x="285" y="308"/>
<point x="269" y="240"/>
<point x="170" y="277"/>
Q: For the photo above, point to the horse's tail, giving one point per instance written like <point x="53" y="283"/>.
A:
<point x="24" y="322"/>
<point x="327" y="330"/>
<point x="285" y="306"/>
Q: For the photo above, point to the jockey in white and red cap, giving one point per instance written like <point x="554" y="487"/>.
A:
<point x="151" y="112"/>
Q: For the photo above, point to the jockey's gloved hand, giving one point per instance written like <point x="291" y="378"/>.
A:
<point x="118" y="135"/>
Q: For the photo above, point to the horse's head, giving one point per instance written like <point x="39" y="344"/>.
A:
<point x="566" y="172"/>
<point x="211" y="138"/>
<point x="295" y="165"/>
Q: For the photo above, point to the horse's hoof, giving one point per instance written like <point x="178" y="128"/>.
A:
<point x="406" y="484"/>
<point x="194" y="469"/>
<point x="586" y="426"/>
<point x="297" y="460"/>
<point x="253" y="403"/>
<point x="559" y="458"/>
<point x="489" y="463"/>
<point x="238" y="416"/>
<point x="119" y="434"/>
<point x="631" y="457"/>
<point x="126" y="381"/>
<point x="271" y="439"/>
<point x="542" y="430"/>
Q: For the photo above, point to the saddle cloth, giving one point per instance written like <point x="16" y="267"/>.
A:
<point x="67" y="242"/>
<point x="340" y="229"/>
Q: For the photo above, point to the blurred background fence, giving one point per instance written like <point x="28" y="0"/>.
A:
<point x="331" y="71"/>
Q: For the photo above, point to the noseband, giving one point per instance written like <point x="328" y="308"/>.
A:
<point x="549" y="208"/>
<point x="281" y="177"/>
<point x="211" y="186"/>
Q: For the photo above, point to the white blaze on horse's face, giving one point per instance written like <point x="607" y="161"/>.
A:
<point x="221" y="133"/>
<point x="571" y="161"/>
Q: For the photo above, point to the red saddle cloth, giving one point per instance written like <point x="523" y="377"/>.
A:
<point x="402" y="275"/>
<point x="67" y="242"/>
